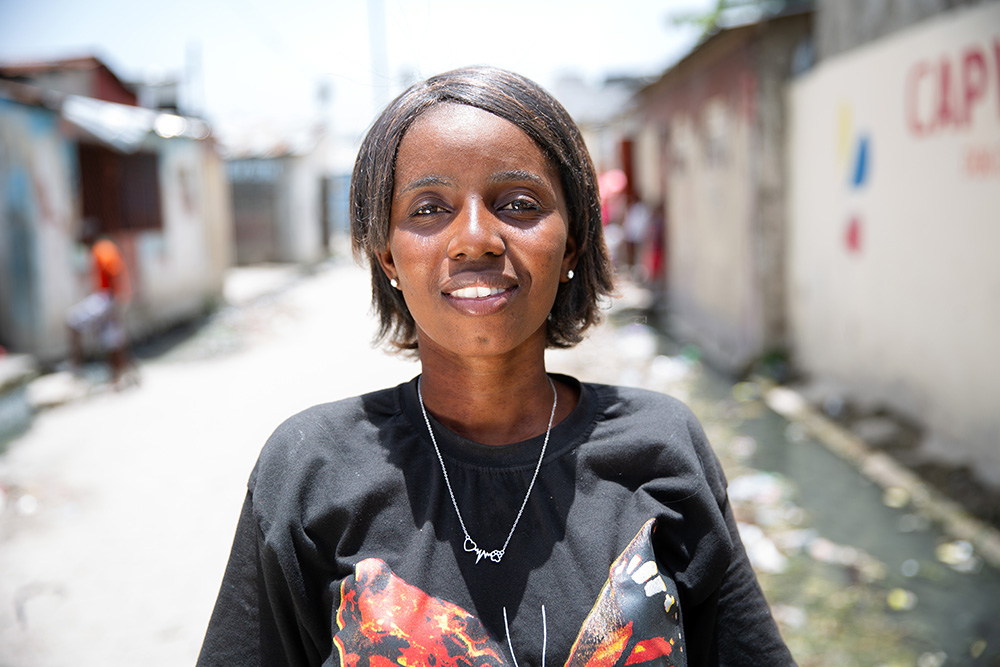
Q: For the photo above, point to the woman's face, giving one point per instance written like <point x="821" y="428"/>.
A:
<point x="478" y="234"/>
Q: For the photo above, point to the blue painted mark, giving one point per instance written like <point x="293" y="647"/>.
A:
<point x="859" y="178"/>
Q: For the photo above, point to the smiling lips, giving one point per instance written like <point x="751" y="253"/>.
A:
<point x="476" y="292"/>
<point x="478" y="299"/>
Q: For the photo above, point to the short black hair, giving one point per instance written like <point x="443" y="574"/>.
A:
<point x="525" y="104"/>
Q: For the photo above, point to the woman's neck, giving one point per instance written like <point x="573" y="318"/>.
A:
<point x="489" y="400"/>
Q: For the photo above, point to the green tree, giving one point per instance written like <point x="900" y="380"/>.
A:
<point x="730" y="12"/>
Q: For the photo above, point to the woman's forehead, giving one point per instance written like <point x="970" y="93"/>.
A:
<point x="465" y="129"/>
<point x="456" y="119"/>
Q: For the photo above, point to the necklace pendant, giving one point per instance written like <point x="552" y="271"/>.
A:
<point x="471" y="547"/>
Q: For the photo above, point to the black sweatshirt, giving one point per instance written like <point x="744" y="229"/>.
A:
<point x="348" y="551"/>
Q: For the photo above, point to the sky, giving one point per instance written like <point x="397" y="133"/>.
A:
<point x="255" y="64"/>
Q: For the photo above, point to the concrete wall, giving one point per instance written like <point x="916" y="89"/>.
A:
<point x="720" y="113"/>
<point x="179" y="270"/>
<point x="38" y="213"/>
<point x="300" y="237"/>
<point x="278" y="209"/>
<point x="895" y="226"/>
<point x="843" y="25"/>
<point x="713" y="290"/>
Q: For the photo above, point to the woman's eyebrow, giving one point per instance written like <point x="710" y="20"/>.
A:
<point x="517" y="175"/>
<point x="424" y="182"/>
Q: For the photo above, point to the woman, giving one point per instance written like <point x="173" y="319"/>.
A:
<point x="487" y="513"/>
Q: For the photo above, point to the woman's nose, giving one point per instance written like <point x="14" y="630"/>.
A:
<point x="475" y="233"/>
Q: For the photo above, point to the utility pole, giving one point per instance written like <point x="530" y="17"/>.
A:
<point x="378" y="50"/>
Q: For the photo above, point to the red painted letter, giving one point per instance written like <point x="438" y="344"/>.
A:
<point x="945" y="114"/>
<point x="973" y="81"/>
<point x="913" y="97"/>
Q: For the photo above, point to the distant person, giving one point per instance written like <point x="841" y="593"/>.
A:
<point x="487" y="513"/>
<point x="635" y="229"/>
<point x="103" y="311"/>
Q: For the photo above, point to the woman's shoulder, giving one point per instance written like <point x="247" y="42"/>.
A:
<point x="336" y="416"/>
<point x="339" y="433"/>
<point x="644" y="405"/>
<point x="653" y="433"/>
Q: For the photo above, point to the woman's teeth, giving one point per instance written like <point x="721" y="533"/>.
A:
<point x="475" y="292"/>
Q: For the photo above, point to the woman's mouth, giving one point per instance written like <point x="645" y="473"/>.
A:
<point x="476" y="292"/>
<point x="479" y="300"/>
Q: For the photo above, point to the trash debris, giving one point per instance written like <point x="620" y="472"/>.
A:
<point x="760" y="487"/>
<point x="900" y="599"/>
<point x="877" y="431"/>
<point x="953" y="553"/>
<point x="743" y="446"/>
<point x="936" y="659"/>
<point x="896" y="497"/>
<point x="796" y="540"/>
<point x="796" y="433"/>
<point x="834" y="406"/>
<point x="826" y="551"/>
<point x="785" y="401"/>
<point x="958" y="555"/>
<point x="691" y="353"/>
<point x="866" y="566"/>
<point x="762" y="552"/>
<point x="793" y="617"/>
<point x="744" y="392"/>
<point x="912" y="523"/>
<point x="978" y="648"/>
<point x="669" y="369"/>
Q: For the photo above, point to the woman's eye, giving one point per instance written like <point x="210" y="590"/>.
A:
<point x="520" y="205"/>
<point x="427" y="209"/>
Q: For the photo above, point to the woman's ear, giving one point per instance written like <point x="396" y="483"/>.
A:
<point x="569" y="260"/>
<point x="386" y="262"/>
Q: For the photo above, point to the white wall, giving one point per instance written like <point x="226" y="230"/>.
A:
<point x="903" y="306"/>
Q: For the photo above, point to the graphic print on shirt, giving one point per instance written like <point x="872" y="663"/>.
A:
<point x="385" y="621"/>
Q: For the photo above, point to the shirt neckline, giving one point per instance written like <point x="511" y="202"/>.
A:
<point x="565" y="436"/>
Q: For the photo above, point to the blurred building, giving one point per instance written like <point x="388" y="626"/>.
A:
<point x="604" y="112"/>
<point x="86" y="76"/>
<point x="831" y="181"/>
<point x="711" y="153"/>
<point x="78" y="156"/>
<point x="280" y="207"/>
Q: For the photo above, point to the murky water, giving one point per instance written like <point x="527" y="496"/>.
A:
<point x="855" y="575"/>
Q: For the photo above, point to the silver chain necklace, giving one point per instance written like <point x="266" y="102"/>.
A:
<point x="470" y="545"/>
